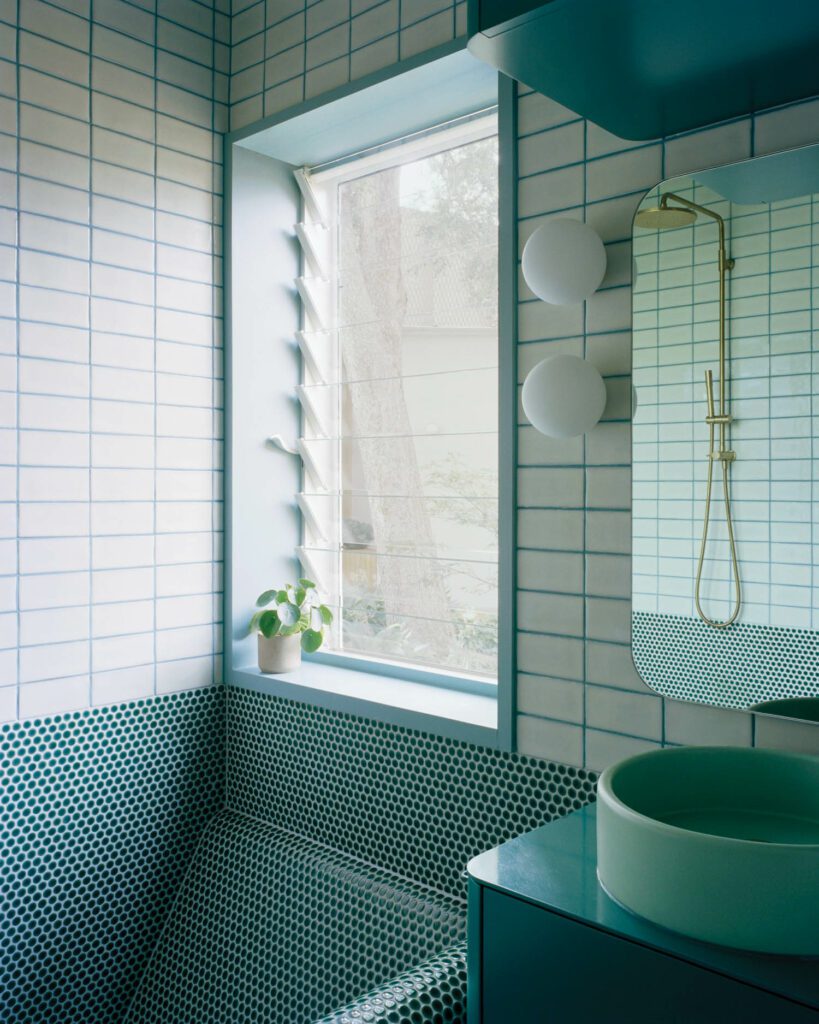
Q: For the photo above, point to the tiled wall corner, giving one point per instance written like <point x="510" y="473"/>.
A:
<point x="110" y="350"/>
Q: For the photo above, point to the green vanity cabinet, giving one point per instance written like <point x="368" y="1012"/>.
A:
<point x="547" y="944"/>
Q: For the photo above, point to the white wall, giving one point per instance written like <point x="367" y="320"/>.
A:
<point x="110" y="350"/>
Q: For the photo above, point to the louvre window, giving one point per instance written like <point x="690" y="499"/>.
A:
<point x="400" y="398"/>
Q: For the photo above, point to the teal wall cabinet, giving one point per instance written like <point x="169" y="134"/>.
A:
<point x="643" y="69"/>
<point x="547" y="944"/>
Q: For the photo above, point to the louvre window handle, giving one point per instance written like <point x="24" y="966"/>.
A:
<point x="279" y="442"/>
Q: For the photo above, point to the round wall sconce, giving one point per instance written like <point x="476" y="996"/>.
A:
<point x="564" y="261"/>
<point x="563" y="396"/>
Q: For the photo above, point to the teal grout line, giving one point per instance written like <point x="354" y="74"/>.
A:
<point x="217" y="627"/>
<point x="17" y="595"/>
<point x="91" y="234"/>
<point x="585" y="485"/>
<point x="155" y="331"/>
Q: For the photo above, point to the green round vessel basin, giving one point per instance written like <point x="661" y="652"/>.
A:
<point x="717" y="843"/>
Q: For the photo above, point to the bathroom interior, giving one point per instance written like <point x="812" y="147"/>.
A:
<point x="407" y="427"/>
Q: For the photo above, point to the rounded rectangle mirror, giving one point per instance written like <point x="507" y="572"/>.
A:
<point x="725" y="440"/>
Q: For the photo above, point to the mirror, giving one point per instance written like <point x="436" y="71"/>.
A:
<point x="725" y="441"/>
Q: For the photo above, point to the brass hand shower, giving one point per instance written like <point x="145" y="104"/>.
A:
<point x="673" y="217"/>
<point x="726" y="458"/>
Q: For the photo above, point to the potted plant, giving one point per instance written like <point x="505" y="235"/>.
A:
<point x="288" y="621"/>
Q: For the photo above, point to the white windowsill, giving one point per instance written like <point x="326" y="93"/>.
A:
<point x="434" y="709"/>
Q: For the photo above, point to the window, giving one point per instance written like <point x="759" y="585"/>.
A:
<point x="400" y="398"/>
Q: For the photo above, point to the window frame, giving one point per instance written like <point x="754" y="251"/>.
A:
<point x="472" y="128"/>
<point x="439" y="702"/>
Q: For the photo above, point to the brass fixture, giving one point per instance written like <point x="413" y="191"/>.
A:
<point x="680" y="215"/>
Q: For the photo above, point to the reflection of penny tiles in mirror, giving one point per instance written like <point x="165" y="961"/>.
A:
<point x="771" y="387"/>
<point x="736" y="667"/>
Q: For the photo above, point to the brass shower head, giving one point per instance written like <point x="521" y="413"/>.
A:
<point x="663" y="217"/>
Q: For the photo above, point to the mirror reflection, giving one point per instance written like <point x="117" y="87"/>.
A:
<point x="726" y="419"/>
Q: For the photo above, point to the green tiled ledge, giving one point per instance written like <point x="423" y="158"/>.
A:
<point x="416" y="804"/>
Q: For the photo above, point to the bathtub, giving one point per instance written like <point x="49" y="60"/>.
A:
<point x="273" y="928"/>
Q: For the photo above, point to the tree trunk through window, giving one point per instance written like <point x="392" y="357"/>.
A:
<point x="374" y="299"/>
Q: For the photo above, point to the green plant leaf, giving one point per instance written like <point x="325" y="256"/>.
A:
<point x="269" y="623"/>
<point x="299" y="596"/>
<point x="311" y="640"/>
<point x="307" y="584"/>
<point x="288" y="613"/>
<point x="326" y="614"/>
<point x="265" y="598"/>
<point x="254" y="623"/>
<point x="281" y="597"/>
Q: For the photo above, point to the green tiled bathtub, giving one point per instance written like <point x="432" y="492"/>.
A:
<point x="331" y="889"/>
<point x="248" y="858"/>
<point x="270" y="926"/>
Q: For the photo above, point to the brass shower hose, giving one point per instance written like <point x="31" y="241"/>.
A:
<point x="725" y="458"/>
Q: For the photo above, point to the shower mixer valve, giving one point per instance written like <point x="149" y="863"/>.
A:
<point x="720" y="454"/>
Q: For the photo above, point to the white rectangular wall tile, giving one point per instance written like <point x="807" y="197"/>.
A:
<point x="109" y="136"/>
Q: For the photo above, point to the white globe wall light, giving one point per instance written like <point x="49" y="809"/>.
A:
<point x="564" y="396"/>
<point x="564" y="261"/>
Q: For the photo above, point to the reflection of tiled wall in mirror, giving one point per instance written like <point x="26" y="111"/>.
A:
<point x="771" y="384"/>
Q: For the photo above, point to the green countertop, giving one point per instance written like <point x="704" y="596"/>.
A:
<point x="555" y="867"/>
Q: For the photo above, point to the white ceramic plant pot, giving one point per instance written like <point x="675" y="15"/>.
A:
<point x="279" y="653"/>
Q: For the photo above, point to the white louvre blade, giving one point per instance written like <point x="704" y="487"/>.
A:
<point x="310" y="293"/>
<point x="315" y="350"/>
<point x="315" y="214"/>
<point x="310" y="464"/>
<point x="310" y="519"/>
<point x="310" y="568"/>
<point x="316" y="417"/>
<point x="314" y="245"/>
<point x="301" y="449"/>
<point x="322" y="357"/>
